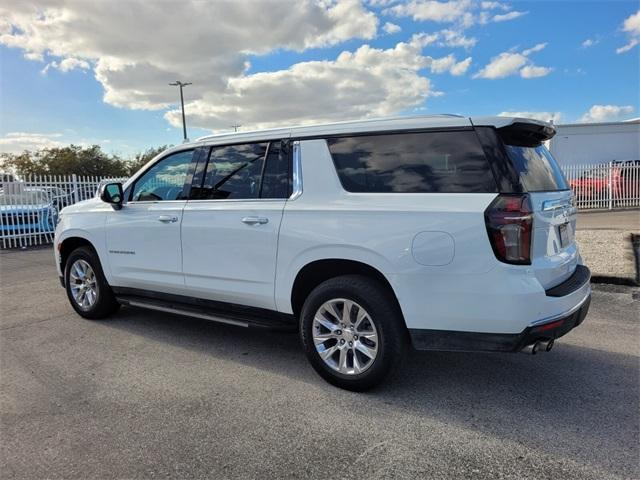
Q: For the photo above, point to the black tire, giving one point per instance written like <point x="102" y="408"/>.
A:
<point x="383" y="311"/>
<point x="105" y="303"/>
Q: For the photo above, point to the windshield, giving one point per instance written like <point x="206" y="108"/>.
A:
<point x="537" y="168"/>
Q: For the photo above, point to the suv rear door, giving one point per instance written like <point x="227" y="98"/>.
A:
<point x="554" y="254"/>
<point x="231" y="223"/>
<point x="523" y="166"/>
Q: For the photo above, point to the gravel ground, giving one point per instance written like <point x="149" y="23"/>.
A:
<point x="604" y="238"/>
<point x="145" y="395"/>
<point x="608" y="253"/>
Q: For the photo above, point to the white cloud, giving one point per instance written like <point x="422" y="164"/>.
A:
<point x="536" y="48"/>
<point x="590" y="42"/>
<point x="607" y="113"/>
<point x="532" y="71"/>
<point x="367" y="82"/>
<point x="450" y="64"/>
<point x="511" y="63"/>
<point x="453" y="38"/>
<point x="391" y="28"/>
<point x="444" y="38"/>
<point x="462" y="13"/>
<point x="67" y="65"/>
<point x="543" y="116"/>
<point x="508" y="16"/>
<point x="631" y="26"/>
<point x="494" y="6"/>
<point x="431" y="10"/>
<point x="505" y="64"/>
<point x="18" y="142"/>
<point x="135" y="53"/>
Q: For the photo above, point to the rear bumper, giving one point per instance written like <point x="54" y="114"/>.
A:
<point x="547" y="328"/>
<point x="499" y="342"/>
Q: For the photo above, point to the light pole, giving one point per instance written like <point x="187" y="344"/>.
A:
<point x="236" y="127"/>
<point x="180" y="84"/>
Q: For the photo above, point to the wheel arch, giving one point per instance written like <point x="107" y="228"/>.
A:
<point x="315" y="272"/>
<point x="71" y="243"/>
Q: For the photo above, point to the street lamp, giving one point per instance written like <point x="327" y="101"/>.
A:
<point x="180" y="84"/>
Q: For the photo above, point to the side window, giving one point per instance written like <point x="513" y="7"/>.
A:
<point x="247" y="171"/>
<point x="165" y="180"/>
<point x="233" y="172"/>
<point x="412" y="163"/>
<point x="275" y="181"/>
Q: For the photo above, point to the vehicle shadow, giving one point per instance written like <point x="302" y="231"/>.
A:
<point x="575" y="401"/>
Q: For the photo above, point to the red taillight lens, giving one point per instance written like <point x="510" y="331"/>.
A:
<point x="509" y="221"/>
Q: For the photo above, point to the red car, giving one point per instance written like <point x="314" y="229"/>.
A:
<point x="594" y="183"/>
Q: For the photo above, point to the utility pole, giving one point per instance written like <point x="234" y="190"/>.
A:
<point x="180" y="84"/>
<point x="236" y="127"/>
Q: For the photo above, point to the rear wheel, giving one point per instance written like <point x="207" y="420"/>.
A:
<point x="352" y="332"/>
<point x="88" y="291"/>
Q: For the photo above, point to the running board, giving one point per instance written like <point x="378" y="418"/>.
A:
<point x="230" y="314"/>
<point x="179" y="311"/>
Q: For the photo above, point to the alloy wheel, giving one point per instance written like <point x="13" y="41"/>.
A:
<point x="345" y="336"/>
<point x="83" y="284"/>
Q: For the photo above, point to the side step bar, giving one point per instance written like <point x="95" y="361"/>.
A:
<point x="179" y="311"/>
<point x="230" y="314"/>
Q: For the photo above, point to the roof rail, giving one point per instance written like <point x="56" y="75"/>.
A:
<point x="405" y="117"/>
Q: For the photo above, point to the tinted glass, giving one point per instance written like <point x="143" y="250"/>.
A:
<point x="412" y="163"/>
<point x="275" y="182"/>
<point x="233" y="171"/>
<point x="165" y="180"/>
<point x="537" y="168"/>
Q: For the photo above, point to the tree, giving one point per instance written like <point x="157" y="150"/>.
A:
<point x="140" y="159"/>
<point x="74" y="159"/>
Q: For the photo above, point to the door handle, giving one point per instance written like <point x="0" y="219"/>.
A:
<point x="255" y="220"/>
<point x="167" y="218"/>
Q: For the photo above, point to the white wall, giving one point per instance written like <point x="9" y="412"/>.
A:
<point x="594" y="143"/>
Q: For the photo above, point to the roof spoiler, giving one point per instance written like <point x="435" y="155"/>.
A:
<point x="526" y="134"/>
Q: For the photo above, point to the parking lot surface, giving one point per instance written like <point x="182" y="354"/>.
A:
<point x="151" y="395"/>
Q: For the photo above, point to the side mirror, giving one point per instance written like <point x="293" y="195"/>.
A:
<point x="112" y="193"/>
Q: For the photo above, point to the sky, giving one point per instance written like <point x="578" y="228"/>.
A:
<point x="97" y="72"/>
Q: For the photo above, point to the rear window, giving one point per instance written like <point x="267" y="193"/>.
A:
<point x="426" y="162"/>
<point x="537" y="168"/>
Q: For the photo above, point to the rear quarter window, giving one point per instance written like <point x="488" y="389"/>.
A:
<point x="424" y="162"/>
<point x="537" y="168"/>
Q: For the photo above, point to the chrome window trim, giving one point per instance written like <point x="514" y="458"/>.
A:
<point x="152" y="202"/>
<point x="230" y="200"/>
<point x="296" y="172"/>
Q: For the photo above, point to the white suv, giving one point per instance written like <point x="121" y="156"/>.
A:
<point x="444" y="232"/>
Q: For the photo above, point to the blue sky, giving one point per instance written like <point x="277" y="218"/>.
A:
<point x="70" y="83"/>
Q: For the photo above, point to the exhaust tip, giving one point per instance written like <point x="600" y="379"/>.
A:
<point x="540" y="346"/>
<point x="549" y="345"/>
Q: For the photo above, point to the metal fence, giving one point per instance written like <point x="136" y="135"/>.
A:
<point x="29" y="208"/>
<point x="610" y="185"/>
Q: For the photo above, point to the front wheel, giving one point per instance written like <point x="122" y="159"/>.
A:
<point x="89" y="293"/>
<point x="352" y="332"/>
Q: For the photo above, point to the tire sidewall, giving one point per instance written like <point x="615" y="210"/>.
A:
<point x="104" y="299"/>
<point x="381" y="312"/>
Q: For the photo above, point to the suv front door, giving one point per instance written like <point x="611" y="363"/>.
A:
<point x="143" y="238"/>
<point x="231" y="222"/>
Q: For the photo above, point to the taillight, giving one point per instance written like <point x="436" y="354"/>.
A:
<point x="509" y="221"/>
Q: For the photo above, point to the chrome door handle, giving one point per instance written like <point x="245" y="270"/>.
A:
<point x="255" y="220"/>
<point x="167" y="219"/>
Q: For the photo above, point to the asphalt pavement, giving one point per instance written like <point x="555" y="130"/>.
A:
<point x="151" y="395"/>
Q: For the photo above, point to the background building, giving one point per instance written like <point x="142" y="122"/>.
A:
<point x="596" y="143"/>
